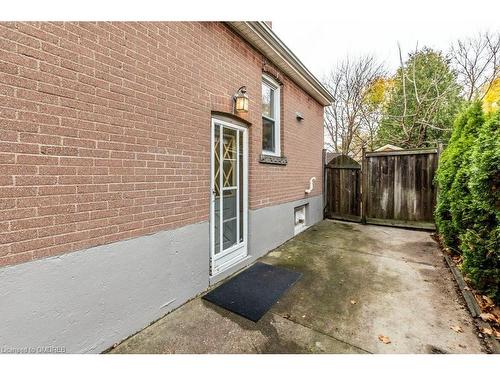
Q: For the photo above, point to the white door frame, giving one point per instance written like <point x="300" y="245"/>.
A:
<point x="239" y="251"/>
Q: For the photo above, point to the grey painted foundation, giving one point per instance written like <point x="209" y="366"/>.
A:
<point x="269" y="227"/>
<point x="85" y="301"/>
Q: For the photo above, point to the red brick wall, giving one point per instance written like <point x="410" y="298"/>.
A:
<point x="105" y="131"/>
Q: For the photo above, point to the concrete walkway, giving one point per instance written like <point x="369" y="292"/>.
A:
<point x="359" y="282"/>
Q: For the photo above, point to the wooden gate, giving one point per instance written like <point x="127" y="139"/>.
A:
<point x="399" y="187"/>
<point x="343" y="186"/>
<point x="392" y="188"/>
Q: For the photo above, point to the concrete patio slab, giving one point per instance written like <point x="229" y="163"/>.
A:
<point x="359" y="282"/>
<point x="200" y="327"/>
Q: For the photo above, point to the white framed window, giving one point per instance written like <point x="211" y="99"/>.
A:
<point x="300" y="219"/>
<point x="270" y="116"/>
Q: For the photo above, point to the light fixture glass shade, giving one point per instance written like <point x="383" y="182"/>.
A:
<point x="241" y="100"/>
<point x="241" y="104"/>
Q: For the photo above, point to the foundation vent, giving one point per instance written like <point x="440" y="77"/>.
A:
<point x="300" y="215"/>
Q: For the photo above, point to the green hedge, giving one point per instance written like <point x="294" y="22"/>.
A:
<point x="452" y="175"/>
<point x="480" y="244"/>
<point x="468" y="209"/>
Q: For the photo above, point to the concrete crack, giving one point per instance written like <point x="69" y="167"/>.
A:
<point x="324" y="333"/>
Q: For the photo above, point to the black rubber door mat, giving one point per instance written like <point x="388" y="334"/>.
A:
<point x="254" y="291"/>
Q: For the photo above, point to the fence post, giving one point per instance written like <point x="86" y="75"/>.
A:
<point x="439" y="150"/>
<point x="325" y="186"/>
<point x="438" y="156"/>
<point x="364" y="185"/>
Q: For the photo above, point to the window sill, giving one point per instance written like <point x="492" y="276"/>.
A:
<point x="271" y="159"/>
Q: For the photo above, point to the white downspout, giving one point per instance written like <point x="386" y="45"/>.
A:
<point x="311" y="185"/>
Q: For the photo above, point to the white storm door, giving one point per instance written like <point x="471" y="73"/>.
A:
<point x="229" y="190"/>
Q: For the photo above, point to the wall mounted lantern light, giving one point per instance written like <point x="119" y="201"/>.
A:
<point x="241" y="100"/>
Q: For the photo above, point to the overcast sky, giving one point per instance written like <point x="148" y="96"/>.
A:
<point x="354" y="28"/>
<point x="319" y="32"/>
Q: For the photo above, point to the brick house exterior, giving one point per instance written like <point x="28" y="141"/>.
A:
<point x="105" y="168"/>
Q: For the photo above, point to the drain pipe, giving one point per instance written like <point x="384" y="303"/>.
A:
<point x="311" y="185"/>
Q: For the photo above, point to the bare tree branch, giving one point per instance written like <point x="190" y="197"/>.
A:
<point x="348" y="119"/>
<point x="403" y="77"/>
<point x="476" y="62"/>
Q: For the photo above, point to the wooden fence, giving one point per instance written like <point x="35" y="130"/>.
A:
<point x="343" y="189"/>
<point x="399" y="187"/>
<point x="391" y="188"/>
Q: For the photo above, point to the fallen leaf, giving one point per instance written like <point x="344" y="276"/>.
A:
<point x="496" y="310"/>
<point x="353" y="302"/>
<point x="384" y="339"/>
<point x="487" y="317"/>
<point x="486" y="331"/>
<point x="488" y="299"/>
<point x="457" y="328"/>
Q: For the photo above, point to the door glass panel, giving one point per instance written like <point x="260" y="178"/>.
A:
<point x="229" y="153"/>
<point x="230" y="219"/>
<point x="229" y="204"/>
<point x="216" y="157"/>
<point x="229" y="173"/>
<point x="217" y="160"/>
<point x="228" y="196"/>
<point x="242" y="171"/>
